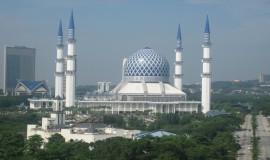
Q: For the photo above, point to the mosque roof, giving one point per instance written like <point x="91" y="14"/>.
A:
<point x="161" y="134"/>
<point x="216" y="112"/>
<point x="31" y="84"/>
<point x="90" y="125"/>
<point x="30" y="87"/>
<point x="58" y="97"/>
<point x="146" y="65"/>
<point x="153" y="134"/>
<point x="132" y="88"/>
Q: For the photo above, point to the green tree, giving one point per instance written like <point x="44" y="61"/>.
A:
<point x="52" y="148"/>
<point x="114" y="120"/>
<point x="113" y="148"/>
<point x="55" y="141"/>
<point x="33" y="144"/>
<point x="136" y="123"/>
<point x="11" y="145"/>
<point x="10" y="101"/>
<point x="74" y="151"/>
<point x="225" y="144"/>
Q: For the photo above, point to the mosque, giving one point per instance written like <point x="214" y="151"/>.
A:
<point x="144" y="84"/>
<point x="144" y="87"/>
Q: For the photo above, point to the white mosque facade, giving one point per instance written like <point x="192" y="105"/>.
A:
<point x="144" y="87"/>
<point x="144" y="84"/>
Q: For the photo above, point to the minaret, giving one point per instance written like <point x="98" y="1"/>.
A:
<point x="59" y="72"/>
<point x="178" y="61"/>
<point x="206" y="71"/>
<point x="71" y="65"/>
<point x="58" y="114"/>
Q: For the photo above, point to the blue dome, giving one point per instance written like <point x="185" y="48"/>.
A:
<point x="146" y="65"/>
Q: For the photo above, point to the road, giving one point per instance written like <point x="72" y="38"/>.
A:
<point x="263" y="131"/>
<point x="244" y="136"/>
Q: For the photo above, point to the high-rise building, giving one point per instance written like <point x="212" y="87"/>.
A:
<point x="19" y="63"/>
<point x="264" y="78"/>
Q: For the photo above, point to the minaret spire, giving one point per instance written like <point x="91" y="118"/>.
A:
<point x="178" y="61"/>
<point x="179" y="38"/>
<point x="207" y="31"/>
<point x="71" y="65"/>
<point x="71" y="22"/>
<point x="59" y="71"/>
<point x="71" y="29"/>
<point x="60" y="31"/>
<point x="60" y="34"/>
<point x="206" y="71"/>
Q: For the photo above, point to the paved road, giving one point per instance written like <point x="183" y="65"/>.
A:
<point x="245" y="134"/>
<point x="244" y="137"/>
<point x="263" y="131"/>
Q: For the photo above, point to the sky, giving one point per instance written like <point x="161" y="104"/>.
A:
<point x="109" y="30"/>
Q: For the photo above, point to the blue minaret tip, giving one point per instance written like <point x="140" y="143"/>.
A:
<point x="179" y="38"/>
<point x="60" y="32"/>
<point x="207" y="28"/>
<point x="71" y="23"/>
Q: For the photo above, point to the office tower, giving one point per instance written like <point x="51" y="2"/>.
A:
<point x="19" y="63"/>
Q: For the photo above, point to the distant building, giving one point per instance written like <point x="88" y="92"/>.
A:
<point x="153" y="134"/>
<point x="19" y="63"/>
<point x="87" y="132"/>
<point x="264" y="78"/>
<point x="216" y="112"/>
<point x="245" y="105"/>
<point x="35" y="88"/>
<point x="103" y="87"/>
<point x="236" y="81"/>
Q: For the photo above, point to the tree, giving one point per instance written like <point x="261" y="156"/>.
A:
<point x="114" y="120"/>
<point x="113" y="148"/>
<point x="11" y="145"/>
<point x="52" y="148"/>
<point x="55" y="141"/>
<point x="33" y="144"/>
<point x="225" y="143"/>
<point x="71" y="151"/>
<point x="136" y="123"/>
<point x="9" y="101"/>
